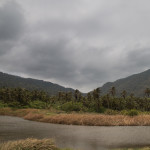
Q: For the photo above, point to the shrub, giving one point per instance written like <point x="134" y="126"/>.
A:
<point x="111" y="112"/>
<point x="124" y="112"/>
<point x="132" y="112"/>
<point x="15" y="104"/>
<point x="37" y="104"/>
<point x="2" y="105"/>
<point x="101" y="110"/>
<point x="72" y="106"/>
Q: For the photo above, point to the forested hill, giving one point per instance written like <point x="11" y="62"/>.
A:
<point x="136" y="84"/>
<point x="7" y="80"/>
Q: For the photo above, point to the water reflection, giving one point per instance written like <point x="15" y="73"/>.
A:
<point x="79" y="137"/>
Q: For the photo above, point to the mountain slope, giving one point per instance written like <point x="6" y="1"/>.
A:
<point x="136" y="84"/>
<point x="8" y="80"/>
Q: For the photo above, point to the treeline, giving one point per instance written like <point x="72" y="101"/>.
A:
<point x="92" y="102"/>
<point x="22" y="98"/>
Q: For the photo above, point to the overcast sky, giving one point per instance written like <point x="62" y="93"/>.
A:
<point x="75" y="43"/>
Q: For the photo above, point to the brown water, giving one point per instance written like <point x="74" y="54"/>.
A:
<point x="80" y="137"/>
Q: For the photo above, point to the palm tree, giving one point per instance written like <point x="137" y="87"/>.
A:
<point x="108" y="100"/>
<point x="77" y="95"/>
<point x="124" y="94"/>
<point x="96" y="96"/>
<point x="113" y="91"/>
<point x="132" y="95"/>
<point x="147" y="92"/>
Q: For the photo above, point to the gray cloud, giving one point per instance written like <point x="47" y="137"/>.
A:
<point x="11" y="21"/>
<point x="80" y="44"/>
<point x="12" y="26"/>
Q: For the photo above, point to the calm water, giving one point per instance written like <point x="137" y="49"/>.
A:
<point x="82" y="137"/>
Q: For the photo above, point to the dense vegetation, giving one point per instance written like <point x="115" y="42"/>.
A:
<point x="12" y="81"/>
<point x="68" y="101"/>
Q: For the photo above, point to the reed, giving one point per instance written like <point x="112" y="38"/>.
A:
<point x="77" y="118"/>
<point x="29" y="144"/>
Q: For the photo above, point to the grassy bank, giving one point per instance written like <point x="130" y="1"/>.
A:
<point x="51" y="116"/>
<point x="44" y="144"/>
<point x="30" y="144"/>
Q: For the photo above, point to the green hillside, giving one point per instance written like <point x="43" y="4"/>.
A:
<point x="136" y="84"/>
<point x="7" y="80"/>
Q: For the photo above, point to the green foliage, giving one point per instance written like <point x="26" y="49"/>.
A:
<point x="67" y="101"/>
<point x="101" y="109"/>
<point x="132" y="112"/>
<point x="15" y="104"/>
<point x="124" y="112"/>
<point x="72" y="106"/>
<point x="37" y="104"/>
<point x="2" y="105"/>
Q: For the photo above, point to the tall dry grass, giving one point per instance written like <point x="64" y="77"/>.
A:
<point x="92" y="120"/>
<point x="78" y="119"/>
<point x="98" y="120"/>
<point x="29" y="144"/>
<point x="17" y="112"/>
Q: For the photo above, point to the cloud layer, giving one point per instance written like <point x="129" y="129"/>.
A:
<point x="80" y="44"/>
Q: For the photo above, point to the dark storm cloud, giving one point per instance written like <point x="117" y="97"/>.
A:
<point x="81" y="44"/>
<point x="11" y="25"/>
<point x="11" y="21"/>
<point x="49" y="58"/>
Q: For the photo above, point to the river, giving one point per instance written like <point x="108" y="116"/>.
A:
<point x="78" y="137"/>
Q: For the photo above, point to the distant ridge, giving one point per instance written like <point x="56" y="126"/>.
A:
<point x="7" y="80"/>
<point x="136" y="84"/>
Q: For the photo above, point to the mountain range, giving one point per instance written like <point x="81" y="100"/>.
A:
<point x="136" y="84"/>
<point x="7" y="80"/>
